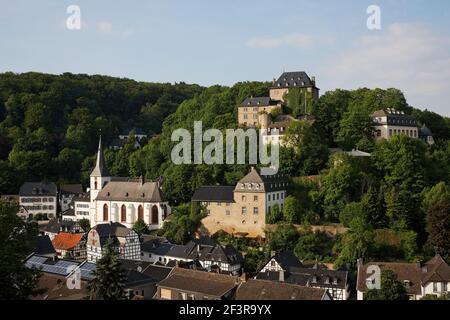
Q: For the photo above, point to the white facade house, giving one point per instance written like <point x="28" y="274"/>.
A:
<point x="38" y="198"/>
<point x="125" y="241"/>
<point x="124" y="200"/>
<point x="285" y="267"/>
<point x="420" y="280"/>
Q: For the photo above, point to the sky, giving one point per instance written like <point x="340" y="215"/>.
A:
<point x="223" y="42"/>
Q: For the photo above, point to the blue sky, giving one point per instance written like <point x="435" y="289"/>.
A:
<point x="223" y="42"/>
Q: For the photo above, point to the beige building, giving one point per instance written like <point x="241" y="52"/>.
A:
<point x="242" y="209"/>
<point x="288" y="80"/>
<point x="251" y="108"/>
<point x="390" y="122"/>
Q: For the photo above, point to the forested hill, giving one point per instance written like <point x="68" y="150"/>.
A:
<point x="49" y="124"/>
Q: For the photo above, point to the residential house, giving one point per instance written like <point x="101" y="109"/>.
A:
<point x="242" y="210"/>
<point x="81" y="206"/>
<point x="186" y="284"/>
<point x="206" y="253"/>
<point x="269" y="290"/>
<point x="66" y="194"/>
<point x="285" y="267"/>
<point x="125" y="200"/>
<point x="71" y="246"/>
<point x="430" y="278"/>
<point x="38" y="198"/>
<point x="56" y="225"/>
<point x="125" y="241"/>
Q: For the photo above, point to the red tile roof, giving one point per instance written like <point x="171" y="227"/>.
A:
<point x="66" y="241"/>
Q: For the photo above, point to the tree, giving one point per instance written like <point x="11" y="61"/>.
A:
<point x="109" y="278"/>
<point x="356" y="243"/>
<point x="391" y="288"/>
<point x="85" y="224"/>
<point x="312" y="245"/>
<point x="274" y="214"/>
<point x="18" y="240"/>
<point x="291" y="209"/>
<point x="438" y="228"/>
<point x="351" y="211"/>
<point x="141" y="227"/>
<point x="283" y="238"/>
<point x="439" y="192"/>
<point x="356" y="130"/>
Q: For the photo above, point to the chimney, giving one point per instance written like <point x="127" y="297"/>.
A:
<point x="198" y="248"/>
<point x="313" y="79"/>
<point x="419" y="264"/>
<point x="359" y="263"/>
<point x="281" y="279"/>
<point x="177" y="264"/>
<point x="142" y="179"/>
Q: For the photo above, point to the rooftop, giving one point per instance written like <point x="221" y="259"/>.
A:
<point x="66" y="241"/>
<point x="37" y="189"/>
<point x="293" y="79"/>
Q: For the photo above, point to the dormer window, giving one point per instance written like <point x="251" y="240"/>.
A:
<point x="335" y="280"/>
<point x="314" y="279"/>
<point x="407" y="283"/>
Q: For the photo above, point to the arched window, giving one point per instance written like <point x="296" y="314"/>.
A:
<point x="141" y="213"/>
<point x="155" y="219"/>
<point x="123" y="213"/>
<point x="105" y="212"/>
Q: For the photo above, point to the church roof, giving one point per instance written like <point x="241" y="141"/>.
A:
<point x="100" y="169"/>
<point x="131" y="191"/>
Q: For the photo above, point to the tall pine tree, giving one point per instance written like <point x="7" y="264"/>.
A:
<point x="109" y="278"/>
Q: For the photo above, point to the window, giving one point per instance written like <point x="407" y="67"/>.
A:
<point x="244" y="198"/>
<point x="269" y="197"/>
<point x="444" y="287"/>
<point x="435" y="287"/>
<point x="227" y="212"/>
<point x="255" y="198"/>
<point x="244" y="210"/>
<point x="105" y="212"/>
<point x="123" y="213"/>
<point x="255" y="210"/>
<point x="390" y="132"/>
<point x="141" y="213"/>
<point x="155" y="218"/>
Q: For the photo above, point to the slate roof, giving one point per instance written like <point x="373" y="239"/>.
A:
<point x="71" y="189"/>
<point x="83" y="197"/>
<point x="394" y="117"/>
<point x="425" y="132"/>
<point x="293" y="79"/>
<point x="36" y="189"/>
<point x="270" y="290"/>
<point x="214" y="194"/>
<point x="44" y="246"/>
<point x="131" y="191"/>
<point x="287" y="259"/>
<point x="258" y="102"/>
<point x="207" y="283"/>
<point x="57" y="225"/>
<point x="116" y="229"/>
<point x="262" y="183"/>
<point x="100" y="169"/>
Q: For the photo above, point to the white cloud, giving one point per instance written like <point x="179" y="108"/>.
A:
<point x="410" y="57"/>
<point x="294" y="40"/>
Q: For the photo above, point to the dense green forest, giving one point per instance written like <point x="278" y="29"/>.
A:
<point x="49" y="127"/>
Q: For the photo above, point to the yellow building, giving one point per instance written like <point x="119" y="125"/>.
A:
<point x="242" y="209"/>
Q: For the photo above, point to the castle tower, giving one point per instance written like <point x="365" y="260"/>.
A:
<point x="99" y="177"/>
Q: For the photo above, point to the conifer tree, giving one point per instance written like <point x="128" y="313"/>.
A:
<point x="109" y="278"/>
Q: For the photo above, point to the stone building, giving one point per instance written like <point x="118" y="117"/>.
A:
<point x="242" y="210"/>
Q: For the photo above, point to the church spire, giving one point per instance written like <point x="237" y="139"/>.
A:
<point x="100" y="169"/>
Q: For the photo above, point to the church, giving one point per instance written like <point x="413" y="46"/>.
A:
<point x="124" y="200"/>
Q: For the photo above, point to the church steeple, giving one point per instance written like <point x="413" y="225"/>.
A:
<point x="100" y="169"/>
